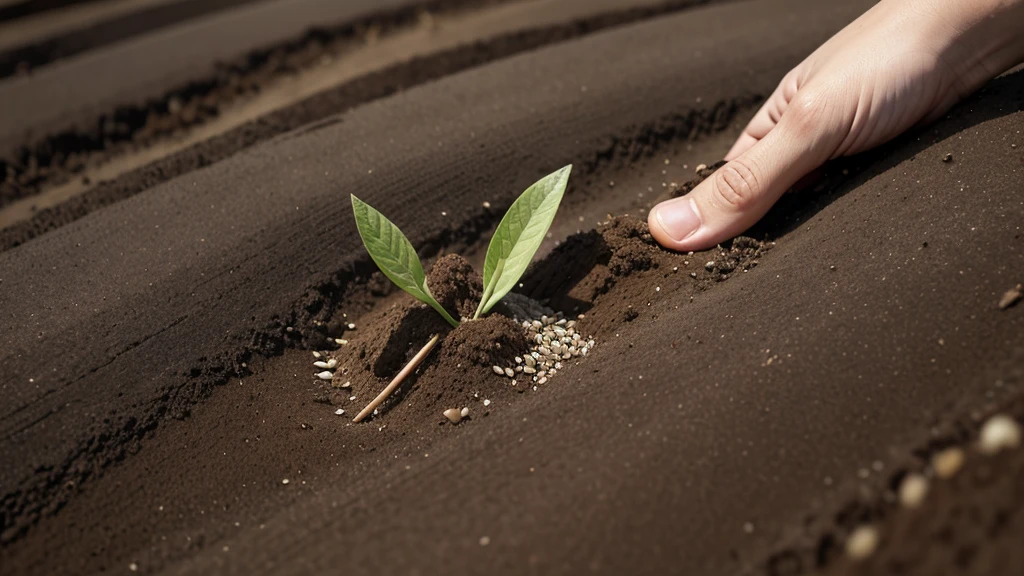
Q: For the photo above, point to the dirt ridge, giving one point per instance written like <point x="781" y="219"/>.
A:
<point x="56" y="157"/>
<point x="239" y="317"/>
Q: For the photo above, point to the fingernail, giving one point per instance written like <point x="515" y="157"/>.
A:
<point x="678" y="219"/>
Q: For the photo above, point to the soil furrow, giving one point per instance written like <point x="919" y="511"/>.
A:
<point x="201" y="132"/>
<point x="89" y="288"/>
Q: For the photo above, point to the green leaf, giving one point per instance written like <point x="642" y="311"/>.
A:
<point x="519" y="235"/>
<point x="394" y="254"/>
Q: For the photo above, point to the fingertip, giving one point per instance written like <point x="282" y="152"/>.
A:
<point x="676" y="224"/>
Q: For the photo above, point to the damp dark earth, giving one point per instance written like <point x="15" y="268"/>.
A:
<point x="190" y="323"/>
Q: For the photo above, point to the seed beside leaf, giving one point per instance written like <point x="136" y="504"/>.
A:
<point x="394" y="254"/>
<point x="519" y="235"/>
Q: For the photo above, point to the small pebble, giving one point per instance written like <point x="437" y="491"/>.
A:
<point x="487" y="402"/>
<point x="948" y="462"/>
<point x="1011" y="297"/>
<point x="947" y="158"/>
<point x="862" y="542"/>
<point x="454" y="415"/>
<point x="913" y="490"/>
<point x="999" y="433"/>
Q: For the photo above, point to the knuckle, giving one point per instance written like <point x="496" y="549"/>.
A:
<point x="736" y="185"/>
<point x="805" y="110"/>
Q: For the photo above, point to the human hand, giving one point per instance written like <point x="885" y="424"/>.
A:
<point x="902" y="63"/>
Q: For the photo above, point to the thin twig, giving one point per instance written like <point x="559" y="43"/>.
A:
<point x="412" y="365"/>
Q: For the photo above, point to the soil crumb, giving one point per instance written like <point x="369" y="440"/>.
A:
<point x="455" y="285"/>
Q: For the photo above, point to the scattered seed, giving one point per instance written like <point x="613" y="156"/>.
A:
<point x="325" y="375"/>
<point x="454" y="415"/>
<point x="486" y="204"/>
<point x="1011" y="297"/>
<point x="498" y="370"/>
<point x="465" y="412"/>
<point x="316" y="355"/>
<point x="285" y="481"/>
<point x="530" y="370"/>
<point x="510" y="372"/>
<point x="320" y="364"/>
<point x="913" y="490"/>
<point x="519" y="359"/>
<point x="862" y="542"/>
<point x="948" y="462"/>
<point x="332" y="363"/>
<point x="542" y="380"/>
<point x="999" y="433"/>
<point x="530" y="361"/>
<point x="487" y="402"/>
<point x="339" y="411"/>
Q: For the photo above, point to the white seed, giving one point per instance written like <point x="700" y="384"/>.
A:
<point x="862" y="542"/>
<point x="1000" y="432"/>
<point x="285" y="481"/>
<point x="320" y="364"/>
<point x="948" y="462"/>
<point x="347" y="384"/>
<point x="454" y="415"/>
<point x="487" y="402"/>
<point x="465" y="412"/>
<point x="325" y="375"/>
<point x="316" y="355"/>
<point x="332" y="363"/>
<point x="510" y="372"/>
<point x="542" y="380"/>
<point x="351" y="326"/>
<point x="498" y="370"/>
<point x="339" y="411"/>
<point x="530" y="370"/>
<point x="519" y="369"/>
<point x="519" y="359"/>
<point x="530" y="361"/>
<point x="913" y="490"/>
<point x="544" y="350"/>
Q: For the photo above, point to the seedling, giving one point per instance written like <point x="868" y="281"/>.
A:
<point x="515" y="241"/>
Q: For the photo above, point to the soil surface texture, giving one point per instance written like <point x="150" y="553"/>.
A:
<point x="184" y="346"/>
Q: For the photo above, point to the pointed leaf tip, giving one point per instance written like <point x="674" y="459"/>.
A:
<point x="520" y="234"/>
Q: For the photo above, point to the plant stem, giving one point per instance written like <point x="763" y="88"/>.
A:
<point x="440" y="309"/>
<point x="489" y="289"/>
<point x="412" y="365"/>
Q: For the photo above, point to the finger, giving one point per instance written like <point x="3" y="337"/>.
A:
<point x="742" y="191"/>
<point x="767" y="116"/>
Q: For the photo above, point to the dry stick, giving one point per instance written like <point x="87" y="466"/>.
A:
<point x="416" y="360"/>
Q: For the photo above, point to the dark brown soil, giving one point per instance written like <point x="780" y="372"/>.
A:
<point x="159" y="388"/>
<point x="57" y="157"/>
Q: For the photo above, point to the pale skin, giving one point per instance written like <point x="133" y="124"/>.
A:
<point x="902" y="64"/>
